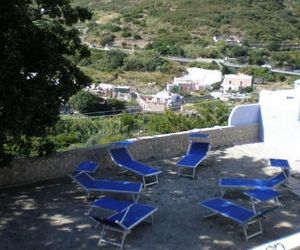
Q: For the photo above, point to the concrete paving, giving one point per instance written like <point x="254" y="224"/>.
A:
<point x="50" y="215"/>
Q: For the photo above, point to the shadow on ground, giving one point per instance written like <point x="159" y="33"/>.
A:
<point x="50" y="215"/>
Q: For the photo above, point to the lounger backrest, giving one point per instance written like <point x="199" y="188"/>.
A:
<point x="120" y="155"/>
<point x="198" y="148"/>
<point x="84" y="180"/>
<point x="277" y="179"/>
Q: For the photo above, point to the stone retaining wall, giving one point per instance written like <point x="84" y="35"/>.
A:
<point x="26" y="171"/>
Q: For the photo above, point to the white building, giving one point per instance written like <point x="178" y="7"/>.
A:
<point x="278" y="116"/>
<point x="197" y="78"/>
<point x="122" y="93"/>
<point x="111" y="91"/>
<point x="236" y="83"/>
<point x="160" y="101"/>
<point x="280" y="111"/>
<point x="297" y="84"/>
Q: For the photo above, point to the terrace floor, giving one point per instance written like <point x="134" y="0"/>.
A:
<point x="50" y="215"/>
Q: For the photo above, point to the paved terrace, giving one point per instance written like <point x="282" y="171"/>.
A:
<point x="50" y="214"/>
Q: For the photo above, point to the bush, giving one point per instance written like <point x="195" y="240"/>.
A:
<point x="113" y="59"/>
<point x="126" y="33"/>
<point x="202" y="65"/>
<point x="115" y="104"/>
<point x="111" y="27"/>
<point x="107" y="39"/>
<point x="164" y="48"/>
<point x="65" y="140"/>
<point x="143" y="61"/>
<point x="248" y="89"/>
<point x="86" y="102"/>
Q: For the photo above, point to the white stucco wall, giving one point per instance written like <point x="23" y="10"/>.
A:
<point x="281" y="120"/>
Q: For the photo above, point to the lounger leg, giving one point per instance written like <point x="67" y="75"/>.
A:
<point x="260" y="226"/>
<point x="89" y="211"/>
<point x="194" y="173"/>
<point x="101" y="235"/>
<point x="222" y="192"/>
<point x="152" y="219"/>
<point x="260" y="231"/>
<point x="135" y="197"/>
<point x="245" y="232"/>
<point x="123" y="240"/>
<point x="253" y="205"/>
<point x="277" y="202"/>
<point x="208" y="216"/>
<point x="144" y="182"/>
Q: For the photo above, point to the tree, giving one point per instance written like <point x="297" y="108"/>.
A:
<point x="115" y="104"/>
<point x="143" y="61"/>
<point x="86" y="102"/>
<point x="113" y="59"/>
<point x="37" y="41"/>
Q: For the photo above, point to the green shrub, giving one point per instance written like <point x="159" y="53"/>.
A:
<point x="107" y="39"/>
<point x="126" y="33"/>
<point x="86" y="102"/>
<point x="111" y="27"/>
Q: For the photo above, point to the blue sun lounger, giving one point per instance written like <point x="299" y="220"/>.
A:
<point x="90" y="185"/>
<point x="122" y="157"/>
<point x="252" y="183"/>
<point x="86" y="166"/>
<point x="241" y="215"/>
<point x="280" y="163"/>
<point x="197" y="152"/>
<point x="125" y="217"/>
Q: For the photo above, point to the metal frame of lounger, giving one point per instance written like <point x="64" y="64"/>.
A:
<point x="127" y="168"/>
<point x="122" y="209"/>
<point x="134" y="193"/>
<point x="257" y="183"/>
<point x="194" y="167"/>
<point x="239" y="214"/>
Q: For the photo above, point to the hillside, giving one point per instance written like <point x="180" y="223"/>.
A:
<point x="192" y="23"/>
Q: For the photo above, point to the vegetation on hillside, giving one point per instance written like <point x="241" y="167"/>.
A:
<point x="268" y="30"/>
<point x="72" y="132"/>
<point x="137" y="69"/>
<point x="180" y="23"/>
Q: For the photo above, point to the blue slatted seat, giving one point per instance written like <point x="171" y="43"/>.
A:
<point x="239" y="214"/>
<point x="252" y="183"/>
<point x="90" y="185"/>
<point x="126" y="216"/>
<point x="196" y="154"/>
<point x="122" y="157"/>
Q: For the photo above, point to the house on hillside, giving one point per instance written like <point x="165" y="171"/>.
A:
<point x="110" y="91"/>
<point x="160" y="101"/>
<point x="236" y="83"/>
<point x="196" y="79"/>
<point x="106" y="90"/>
<point x="121" y="93"/>
<point x="229" y="40"/>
